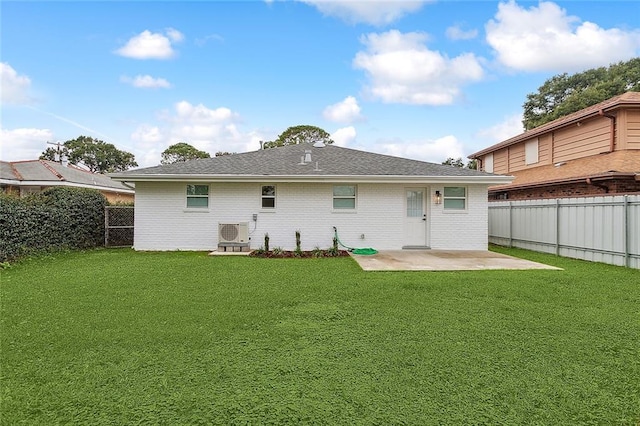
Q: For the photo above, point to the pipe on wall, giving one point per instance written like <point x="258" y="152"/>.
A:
<point x="612" y="129"/>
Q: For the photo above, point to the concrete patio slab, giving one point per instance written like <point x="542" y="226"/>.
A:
<point x="443" y="260"/>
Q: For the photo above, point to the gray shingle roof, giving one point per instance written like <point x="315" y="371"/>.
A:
<point x="5" y="171"/>
<point x="325" y="161"/>
<point x="50" y="171"/>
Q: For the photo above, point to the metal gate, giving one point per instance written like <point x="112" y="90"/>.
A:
<point x="118" y="226"/>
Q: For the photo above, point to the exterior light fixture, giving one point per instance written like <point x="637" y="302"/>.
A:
<point x="437" y="199"/>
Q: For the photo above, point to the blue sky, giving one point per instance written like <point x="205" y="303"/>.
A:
<point x="417" y="79"/>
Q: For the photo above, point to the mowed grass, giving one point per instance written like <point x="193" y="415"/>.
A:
<point x="119" y="337"/>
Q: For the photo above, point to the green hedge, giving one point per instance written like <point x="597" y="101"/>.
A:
<point x="55" y="219"/>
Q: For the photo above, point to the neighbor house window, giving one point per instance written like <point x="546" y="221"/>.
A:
<point x="488" y="163"/>
<point x="344" y="197"/>
<point x="531" y="151"/>
<point x="198" y="196"/>
<point x="268" y="196"/>
<point x="455" y="198"/>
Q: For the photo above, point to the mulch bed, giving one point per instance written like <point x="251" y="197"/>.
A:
<point x="300" y="255"/>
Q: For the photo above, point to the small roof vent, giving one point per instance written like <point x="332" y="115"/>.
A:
<point x="319" y="144"/>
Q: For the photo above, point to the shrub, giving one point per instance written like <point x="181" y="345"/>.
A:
<point x="55" y="219"/>
<point x="298" y="250"/>
<point x="317" y="252"/>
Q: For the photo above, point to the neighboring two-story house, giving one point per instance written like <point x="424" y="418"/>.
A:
<point x="594" y="151"/>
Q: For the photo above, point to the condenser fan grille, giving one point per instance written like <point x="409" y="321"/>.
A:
<point x="229" y="232"/>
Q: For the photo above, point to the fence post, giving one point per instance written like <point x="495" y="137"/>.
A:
<point x="627" y="227"/>
<point x="557" y="227"/>
<point x="106" y="226"/>
<point x="510" y="224"/>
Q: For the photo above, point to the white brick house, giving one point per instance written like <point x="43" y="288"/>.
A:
<point x="373" y="200"/>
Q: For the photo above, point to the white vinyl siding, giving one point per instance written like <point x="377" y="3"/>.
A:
<point x="531" y="151"/>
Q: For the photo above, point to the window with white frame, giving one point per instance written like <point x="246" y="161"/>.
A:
<point x="531" y="151"/>
<point x="198" y="196"/>
<point x="344" y="197"/>
<point x="268" y="196"/>
<point x="455" y="198"/>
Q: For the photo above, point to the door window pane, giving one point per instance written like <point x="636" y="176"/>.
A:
<point x="414" y="203"/>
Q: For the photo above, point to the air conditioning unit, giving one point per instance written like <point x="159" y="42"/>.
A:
<point x="233" y="233"/>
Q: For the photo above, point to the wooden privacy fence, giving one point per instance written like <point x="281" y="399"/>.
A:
<point x="601" y="229"/>
<point x="118" y="226"/>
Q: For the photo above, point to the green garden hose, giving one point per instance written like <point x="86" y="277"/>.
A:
<point x="368" y="251"/>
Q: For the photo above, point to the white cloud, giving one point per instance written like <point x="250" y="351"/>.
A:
<point x="457" y="33"/>
<point x="545" y="38"/>
<point x="401" y="69"/>
<point x="345" y="111"/>
<point x="24" y="144"/>
<point x="175" y="35"/>
<point x="509" y="127"/>
<point x="212" y="37"/>
<point x="434" y="151"/>
<point x="344" y="136"/>
<point x="149" y="142"/>
<point x="15" y="87"/>
<point x="148" y="45"/>
<point x="147" y="135"/>
<point x="208" y="129"/>
<point x="146" y="82"/>
<point x="375" y="12"/>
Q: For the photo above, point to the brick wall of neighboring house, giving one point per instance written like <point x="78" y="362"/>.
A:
<point x="615" y="186"/>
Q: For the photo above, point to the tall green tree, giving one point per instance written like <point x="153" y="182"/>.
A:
<point x="300" y="134"/>
<point x="96" y="155"/>
<point x="180" y="152"/>
<point x="564" y="94"/>
<point x="457" y="162"/>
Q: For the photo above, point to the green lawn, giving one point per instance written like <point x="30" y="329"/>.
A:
<point x="119" y="337"/>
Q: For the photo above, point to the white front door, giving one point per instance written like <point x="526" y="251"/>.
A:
<point x="415" y="219"/>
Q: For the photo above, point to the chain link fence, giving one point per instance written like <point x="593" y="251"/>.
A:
<point x="118" y="226"/>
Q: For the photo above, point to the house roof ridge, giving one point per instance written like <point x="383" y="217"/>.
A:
<point x="80" y="169"/>
<point x="15" y="171"/>
<point x="51" y="169"/>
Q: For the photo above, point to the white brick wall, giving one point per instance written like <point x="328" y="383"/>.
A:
<point x="461" y="230"/>
<point x="163" y="222"/>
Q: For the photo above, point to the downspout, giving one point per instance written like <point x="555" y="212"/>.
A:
<point x="612" y="129"/>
